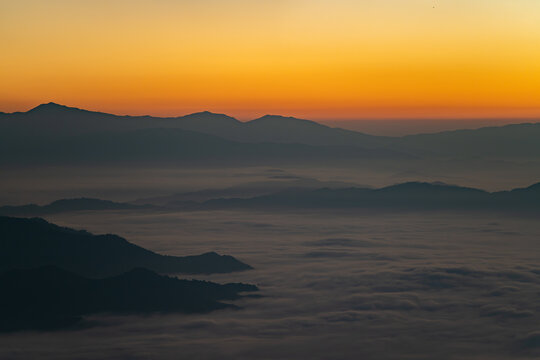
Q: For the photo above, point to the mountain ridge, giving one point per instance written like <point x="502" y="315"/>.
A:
<point x="66" y="297"/>
<point x="65" y="205"/>
<point x="34" y="242"/>
<point x="171" y="146"/>
<point x="406" y="196"/>
<point x="60" y="119"/>
<point x="52" y="121"/>
<point x="53" y="105"/>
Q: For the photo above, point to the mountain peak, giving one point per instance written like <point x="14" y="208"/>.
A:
<point x="279" y="119"/>
<point x="533" y="187"/>
<point x="51" y="106"/>
<point x="209" y="115"/>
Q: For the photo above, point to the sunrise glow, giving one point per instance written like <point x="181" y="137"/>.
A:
<point x="318" y="59"/>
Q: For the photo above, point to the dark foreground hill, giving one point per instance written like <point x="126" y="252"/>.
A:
<point x="65" y="205"/>
<point x="51" y="298"/>
<point x="406" y="196"/>
<point x="29" y="243"/>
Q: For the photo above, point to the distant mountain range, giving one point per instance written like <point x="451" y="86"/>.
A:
<point x="65" y="205"/>
<point x="171" y="146"/>
<point x="55" y="119"/>
<point x="246" y="190"/>
<point x="406" y="196"/>
<point x="52" y="133"/>
<point x="49" y="298"/>
<point x="508" y="141"/>
<point x="307" y="195"/>
<point x="30" y="243"/>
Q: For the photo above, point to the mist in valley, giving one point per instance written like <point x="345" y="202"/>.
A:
<point x="333" y="284"/>
<point x="303" y="241"/>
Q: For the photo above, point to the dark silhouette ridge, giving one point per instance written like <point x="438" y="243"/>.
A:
<point x="29" y="243"/>
<point x="57" y="109"/>
<point x="306" y="193"/>
<point x="66" y="205"/>
<point x="406" y="196"/>
<point x="171" y="146"/>
<point x="53" y="120"/>
<point x="277" y="121"/>
<point x="52" y="107"/>
<point x="49" y="298"/>
<point x="246" y="190"/>
<point x="514" y="140"/>
<point x="281" y="129"/>
<point x="57" y="134"/>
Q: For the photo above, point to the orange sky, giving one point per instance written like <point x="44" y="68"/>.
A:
<point x="318" y="59"/>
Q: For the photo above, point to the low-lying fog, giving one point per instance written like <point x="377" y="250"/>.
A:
<point x="42" y="185"/>
<point x="335" y="285"/>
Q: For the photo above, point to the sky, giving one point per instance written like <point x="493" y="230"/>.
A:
<point x="316" y="59"/>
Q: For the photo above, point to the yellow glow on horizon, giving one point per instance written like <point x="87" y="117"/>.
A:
<point x="310" y="58"/>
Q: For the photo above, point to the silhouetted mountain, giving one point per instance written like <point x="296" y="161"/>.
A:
<point x="208" y="123"/>
<point x="52" y="133"/>
<point x="53" y="120"/>
<point x="524" y="198"/>
<point x="246" y="190"/>
<point x="407" y="196"/>
<point x="517" y="140"/>
<point x="158" y="146"/>
<point x="49" y="298"/>
<point x="280" y="129"/>
<point x="65" y="205"/>
<point x="29" y="243"/>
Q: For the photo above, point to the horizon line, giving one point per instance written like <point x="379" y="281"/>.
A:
<point x="325" y="119"/>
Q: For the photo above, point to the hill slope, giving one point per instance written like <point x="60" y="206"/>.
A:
<point x="65" y="205"/>
<point x="517" y="140"/>
<point x="51" y="298"/>
<point x="50" y="123"/>
<point x="407" y="196"/>
<point x="54" y="119"/>
<point x="166" y="146"/>
<point x="29" y="243"/>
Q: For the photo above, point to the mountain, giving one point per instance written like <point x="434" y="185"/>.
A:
<point x="523" y="198"/>
<point x="55" y="120"/>
<point x="26" y="134"/>
<point x="207" y="122"/>
<point x="29" y="243"/>
<point x="406" y="196"/>
<point x="65" y="205"/>
<point x="246" y="190"/>
<point x="280" y="129"/>
<point x="50" y="298"/>
<point x="512" y="141"/>
<point x="171" y="146"/>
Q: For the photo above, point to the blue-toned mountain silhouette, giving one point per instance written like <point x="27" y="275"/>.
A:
<point x="52" y="133"/>
<point x="29" y="243"/>
<point x="65" y="205"/>
<point x="49" y="298"/>
<point x="55" y="119"/>
<point x="406" y="196"/>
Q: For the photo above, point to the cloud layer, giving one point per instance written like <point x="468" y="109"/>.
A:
<point x="334" y="285"/>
